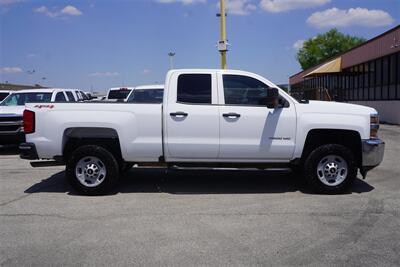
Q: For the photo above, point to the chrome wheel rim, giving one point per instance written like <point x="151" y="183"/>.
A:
<point x="90" y="171"/>
<point x="332" y="170"/>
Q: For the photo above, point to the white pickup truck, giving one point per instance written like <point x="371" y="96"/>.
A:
<point x="12" y="107"/>
<point x="4" y="94"/>
<point x="208" y="118"/>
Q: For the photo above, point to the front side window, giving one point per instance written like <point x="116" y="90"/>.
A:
<point x="84" y="96"/>
<point x="19" y="99"/>
<point x="194" y="88"/>
<point x="60" y="97"/>
<point x="79" y="95"/>
<point x="151" y="96"/>
<point x="244" y="90"/>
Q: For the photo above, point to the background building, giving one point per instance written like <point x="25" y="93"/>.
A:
<point x="368" y="74"/>
<point x="16" y="87"/>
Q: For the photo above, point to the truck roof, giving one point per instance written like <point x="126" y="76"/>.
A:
<point x="44" y="90"/>
<point x="228" y="71"/>
<point x="122" y="87"/>
<point x="149" y="86"/>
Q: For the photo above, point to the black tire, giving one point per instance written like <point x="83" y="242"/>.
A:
<point x="311" y="167"/>
<point x="110" y="164"/>
<point x="125" y="167"/>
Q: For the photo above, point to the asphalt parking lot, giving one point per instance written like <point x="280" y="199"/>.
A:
<point x="199" y="218"/>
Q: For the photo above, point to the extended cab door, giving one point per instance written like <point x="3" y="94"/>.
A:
<point x="249" y="130"/>
<point x="191" y="116"/>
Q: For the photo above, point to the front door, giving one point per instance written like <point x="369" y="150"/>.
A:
<point x="249" y="130"/>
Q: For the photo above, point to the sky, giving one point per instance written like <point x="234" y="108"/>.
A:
<point x="95" y="45"/>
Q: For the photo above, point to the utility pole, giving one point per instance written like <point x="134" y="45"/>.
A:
<point x="222" y="44"/>
<point x="171" y="59"/>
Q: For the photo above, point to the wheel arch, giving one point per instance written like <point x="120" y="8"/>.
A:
<point x="348" y="138"/>
<point x="107" y="138"/>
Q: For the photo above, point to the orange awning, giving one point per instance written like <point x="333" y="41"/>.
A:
<point x="333" y="66"/>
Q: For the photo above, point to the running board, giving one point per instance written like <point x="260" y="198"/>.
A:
<point x="46" y="163"/>
<point x="175" y="167"/>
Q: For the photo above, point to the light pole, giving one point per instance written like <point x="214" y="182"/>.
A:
<point x="171" y="59"/>
<point x="222" y="44"/>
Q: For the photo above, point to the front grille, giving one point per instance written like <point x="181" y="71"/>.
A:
<point x="10" y="118"/>
<point x="12" y="128"/>
<point x="10" y="124"/>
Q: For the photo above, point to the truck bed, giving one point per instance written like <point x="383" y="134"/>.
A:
<point x="138" y="126"/>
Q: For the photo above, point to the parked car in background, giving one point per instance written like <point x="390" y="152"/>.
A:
<point x="89" y="95"/>
<point x="119" y="93"/>
<point x="12" y="108"/>
<point x="147" y="94"/>
<point x="208" y="119"/>
<point x="4" y="94"/>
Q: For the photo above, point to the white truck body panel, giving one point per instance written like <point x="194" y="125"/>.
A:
<point x="138" y="127"/>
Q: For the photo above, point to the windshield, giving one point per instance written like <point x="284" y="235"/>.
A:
<point x="19" y="99"/>
<point x="146" y="96"/>
<point x="3" y="95"/>
<point x="119" y="94"/>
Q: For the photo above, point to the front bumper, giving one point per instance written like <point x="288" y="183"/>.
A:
<point x="11" y="138"/>
<point x="28" y="151"/>
<point x="11" y="129"/>
<point x="372" y="154"/>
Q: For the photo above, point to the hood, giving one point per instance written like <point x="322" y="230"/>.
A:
<point x="337" y="107"/>
<point x="18" y="110"/>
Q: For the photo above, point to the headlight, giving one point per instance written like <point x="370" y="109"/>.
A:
<point x="374" y="125"/>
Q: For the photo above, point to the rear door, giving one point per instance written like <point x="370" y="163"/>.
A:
<point x="191" y="117"/>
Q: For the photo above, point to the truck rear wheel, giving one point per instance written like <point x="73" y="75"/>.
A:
<point x="92" y="170"/>
<point x="330" y="169"/>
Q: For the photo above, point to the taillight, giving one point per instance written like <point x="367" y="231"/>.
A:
<point x="29" y="121"/>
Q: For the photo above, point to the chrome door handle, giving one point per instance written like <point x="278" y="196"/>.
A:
<point x="178" y="114"/>
<point x="231" y="115"/>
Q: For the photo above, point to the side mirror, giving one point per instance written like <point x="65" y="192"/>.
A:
<point x="272" y="98"/>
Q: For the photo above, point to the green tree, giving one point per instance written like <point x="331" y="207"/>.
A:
<point x="324" y="46"/>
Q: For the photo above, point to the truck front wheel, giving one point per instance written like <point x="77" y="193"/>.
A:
<point x="330" y="169"/>
<point x="92" y="170"/>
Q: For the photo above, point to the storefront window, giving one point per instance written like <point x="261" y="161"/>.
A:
<point x="360" y="82"/>
<point x="385" y="78"/>
<point x="366" y="81"/>
<point x="392" y="77"/>
<point x="371" y="80"/>
<point x="378" y="79"/>
<point x="398" y="76"/>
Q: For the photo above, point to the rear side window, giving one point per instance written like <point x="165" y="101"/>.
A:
<point x="151" y="96"/>
<point x="60" y="97"/>
<point x="243" y="90"/>
<point x="71" y="97"/>
<point x="194" y="88"/>
<point x="119" y="94"/>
